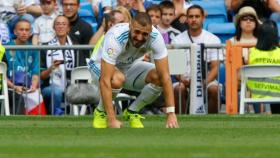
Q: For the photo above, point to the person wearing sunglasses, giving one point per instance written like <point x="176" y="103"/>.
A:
<point x="246" y="23"/>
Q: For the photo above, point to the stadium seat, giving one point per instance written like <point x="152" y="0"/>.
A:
<point x="78" y="74"/>
<point x="216" y="11"/>
<point x="222" y="80"/>
<point x="278" y="26"/>
<point x="223" y="30"/>
<point x="157" y="1"/>
<point x="87" y="14"/>
<point x="4" y="98"/>
<point x="256" y="71"/>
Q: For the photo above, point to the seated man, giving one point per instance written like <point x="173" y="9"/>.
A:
<point x="196" y="34"/>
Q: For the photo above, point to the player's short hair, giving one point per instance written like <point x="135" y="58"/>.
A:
<point x="143" y="19"/>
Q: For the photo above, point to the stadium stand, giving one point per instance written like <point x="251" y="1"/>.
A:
<point x="86" y="13"/>
<point x="216" y="11"/>
<point x="223" y="30"/>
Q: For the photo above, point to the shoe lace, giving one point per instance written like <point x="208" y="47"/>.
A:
<point x="102" y="114"/>
<point x="137" y="116"/>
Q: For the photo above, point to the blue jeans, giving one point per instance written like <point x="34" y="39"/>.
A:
<point x="55" y="93"/>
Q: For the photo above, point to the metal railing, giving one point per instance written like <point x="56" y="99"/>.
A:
<point x="218" y="47"/>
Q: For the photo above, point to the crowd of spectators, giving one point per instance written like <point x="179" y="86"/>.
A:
<point x="57" y="22"/>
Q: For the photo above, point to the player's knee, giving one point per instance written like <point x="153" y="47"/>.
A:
<point x="153" y="78"/>
<point x="118" y="80"/>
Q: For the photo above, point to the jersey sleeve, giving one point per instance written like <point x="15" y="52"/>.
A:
<point x="158" y="46"/>
<point x="111" y="49"/>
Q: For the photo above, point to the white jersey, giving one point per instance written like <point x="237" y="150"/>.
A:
<point x="117" y="49"/>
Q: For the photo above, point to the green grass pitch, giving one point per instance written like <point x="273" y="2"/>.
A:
<point x="210" y="136"/>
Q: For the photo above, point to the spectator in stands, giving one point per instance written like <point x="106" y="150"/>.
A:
<point x="125" y="12"/>
<point x="181" y="7"/>
<point x="167" y="16"/>
<point x="13" y="10"/>
<point x="57" y="66"/>
<point x="274" y="5"/>
<point x="155" y="13"/>
<point x="246" y="23"/>
<point x="80" y="31"/>
<point x="196" y="34"/>
<point x="267" y="51"/>
<point x="119" y="15"/>
<point x="23" y="66"/>
<point x="260" y="6"/>
<point x="135" y="6"/>
<point x="107" y="6"/>
<point x="43" y="27"/>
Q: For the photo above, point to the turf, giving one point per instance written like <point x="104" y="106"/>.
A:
<point x="211" y="136"/>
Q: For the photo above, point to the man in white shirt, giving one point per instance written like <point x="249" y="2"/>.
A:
<point x="123" y="45"/>
<point x="196" y="34"/>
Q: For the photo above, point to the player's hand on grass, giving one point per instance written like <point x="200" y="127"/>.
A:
<point x="171" y="121"/>
<point x="115" y="123"/>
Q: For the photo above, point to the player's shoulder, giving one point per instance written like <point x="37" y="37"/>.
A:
<point x="154" y="33"/>
<point x="120" y="32"/>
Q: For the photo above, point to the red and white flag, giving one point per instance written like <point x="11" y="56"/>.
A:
<point x="34" y="104"/>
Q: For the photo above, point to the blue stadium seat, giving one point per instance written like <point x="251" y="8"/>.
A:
<point x="222" y="80"/>
<point x="278" y="26"/>
<point x="216" y="11"/>
<point x="223" y="30"/>
<point x="156" y="1"/>
<point x="87" y="14"/>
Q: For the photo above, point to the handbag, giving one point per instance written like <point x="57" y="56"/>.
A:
<point x="82" y="93"/>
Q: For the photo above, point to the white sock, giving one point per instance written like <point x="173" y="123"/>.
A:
<point x="100" y="106"/>
<point x="148" y="94"/>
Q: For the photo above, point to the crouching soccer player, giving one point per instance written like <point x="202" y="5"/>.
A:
<point x="123" y="45"/>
